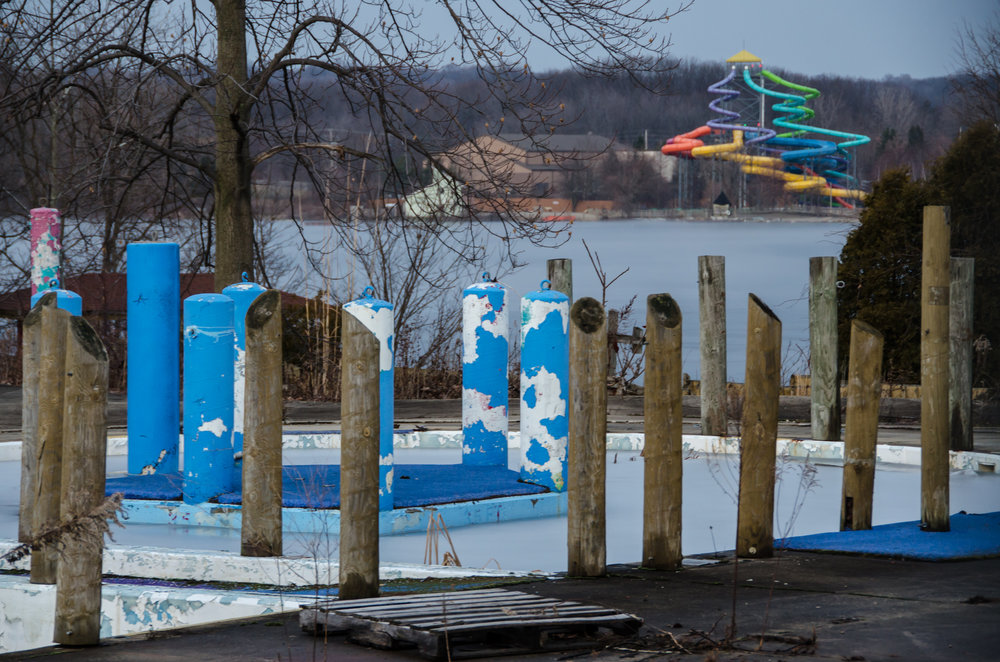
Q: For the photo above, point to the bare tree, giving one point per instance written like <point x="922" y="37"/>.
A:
<point x="237" y="84"/>
<point x="978" y="79"/>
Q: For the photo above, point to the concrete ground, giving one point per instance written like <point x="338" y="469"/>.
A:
<point x="821" y="607"/>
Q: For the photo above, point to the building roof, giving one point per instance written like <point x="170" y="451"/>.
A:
<point x="563" y="142"/>
<point x="743" y="56"/>
<point x="104" y="293"/>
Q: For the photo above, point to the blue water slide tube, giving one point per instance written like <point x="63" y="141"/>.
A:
<point x="796" y="111"/>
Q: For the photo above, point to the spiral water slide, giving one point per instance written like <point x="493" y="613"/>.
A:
<point x="794" y="111"/>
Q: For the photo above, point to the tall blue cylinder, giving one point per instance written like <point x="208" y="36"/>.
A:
<point x="377" y="316"/>
<point x="544" y="387"/>
<point x="243" y="295"/>
<point x="154" y="322"/>
<point x="208" y="396"/>
<point x="66" y="300"/>
<point x="485" y="326"/>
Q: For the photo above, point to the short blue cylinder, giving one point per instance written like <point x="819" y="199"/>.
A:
<point x="208" y="396"/>
<point x="243" y="295"/>
<point x="66" y="300"/>
<point x="544" y="388"/>
<point x="485" y="326"/>
<point x="377" y="317"/>
<point x="154" y="322"/>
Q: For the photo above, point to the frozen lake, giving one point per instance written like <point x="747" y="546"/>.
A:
<point x="709" y="512"/>
<point x="770" y="260"/>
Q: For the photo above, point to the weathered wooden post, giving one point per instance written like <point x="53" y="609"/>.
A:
<point x="32" y="339"/>
<point x="261" y="528"/>
<point x="960" y="352"/>
<point x="560" y="274"/>
<point x="864" y="390"/>
<point x="712" y="338"/>
<point x="663" y="451"/>
<point x="612" y="341"/>
<point x="359" y="459"/>
<point x="825" y="416"/>
<point x="49" y="449"/>
<point x="588" y="422"/>
<point x="755" y="512"/>
<point x="934" y="428"/>
<point x="78" y="577"/>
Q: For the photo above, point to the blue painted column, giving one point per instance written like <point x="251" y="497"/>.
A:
<point x="154" y="324"/>
<point x="243" y="295"/>
<point x="377" y="316"/>
<point x="208" y="396"/>
<point x="544" y="387"/>
<point x="66" y="300"/>
<point x="485" y="327"/>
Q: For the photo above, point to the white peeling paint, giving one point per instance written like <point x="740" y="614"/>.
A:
<point x="380" y="322"/>
<point x="239" y="389"/>
<point x="535" y="311"/>
<point x="474" y="308"/>
<point x="476" y="408"/>
<point x="550" y="403"/>
<point x="216" y="426"/>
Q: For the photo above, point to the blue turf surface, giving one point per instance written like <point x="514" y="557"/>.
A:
<point x="971" y="536"/>
<point x="318" y="486"/>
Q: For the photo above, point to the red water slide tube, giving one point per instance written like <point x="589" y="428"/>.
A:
<point x="684" y="143"/>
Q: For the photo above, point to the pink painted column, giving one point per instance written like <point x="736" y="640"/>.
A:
<point x="46" y="247"/>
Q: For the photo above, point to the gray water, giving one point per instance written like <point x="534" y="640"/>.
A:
<point x="769" y="259"/>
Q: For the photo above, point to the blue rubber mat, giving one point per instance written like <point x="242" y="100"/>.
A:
<point x="970" y="537"/>
<point x="318" y="486"/>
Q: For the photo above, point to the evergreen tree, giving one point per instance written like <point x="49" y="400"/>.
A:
<point x="880" y="263"/>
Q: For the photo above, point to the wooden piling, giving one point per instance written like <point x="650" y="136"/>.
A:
<point x="712" y="339"/>
<point x="588" y="413"/>
<point x="31" y="348"/>
<point x="960" y="352"/>
<point x="663" y="450"/>
<point x="864" y="390"/>
<point x="78" y="575"/>
<point x="825" y="386"/>
<point x="758" y="446"/>
<point x="261" y="528"/>
<point x="934" y="418"/>
<point x="560" y="274"/>
<point x="48" y="458"/>
<point x="359" y="460"/>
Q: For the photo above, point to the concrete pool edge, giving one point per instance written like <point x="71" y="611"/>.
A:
<point x="798" y="448"/>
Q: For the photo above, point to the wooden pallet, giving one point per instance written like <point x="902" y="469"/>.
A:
<point x="467" y="623"/>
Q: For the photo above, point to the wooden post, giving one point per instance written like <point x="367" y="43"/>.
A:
<point x="755" y="511"/>
<point x="663" y="451"/>
<point x="825" y="416"/>
<point x="560" y="273"/>
<point x="612" y="342"/>
<point x="261" y="530"/>
<point x="712" y="338"/>
<point x="960" y="352"/>
<point x="934" y="428"/>
<point x="78" y="576"/>
<point x="864" y="390"/>
<point x="588" y="422"/>
<point x="359" y="460"/>
<point x="51" y="381"/>
<point x="32" y="334"/>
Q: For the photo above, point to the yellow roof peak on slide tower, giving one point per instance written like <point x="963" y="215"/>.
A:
<point x="743" y="56"/>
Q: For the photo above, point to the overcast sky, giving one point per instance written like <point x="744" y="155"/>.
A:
<point x="857" y="38"/>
